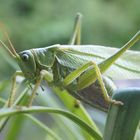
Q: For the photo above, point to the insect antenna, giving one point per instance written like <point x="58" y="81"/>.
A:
<point x="4" y="45"/>
<point x="11" y="45"/>
<point x="11" y="48"/>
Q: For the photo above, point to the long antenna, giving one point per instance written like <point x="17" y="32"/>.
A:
<point x="11" y="47"/>
<point x="7" y="48"/>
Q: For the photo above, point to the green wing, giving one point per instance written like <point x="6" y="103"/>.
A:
<point x="126" y="67"/>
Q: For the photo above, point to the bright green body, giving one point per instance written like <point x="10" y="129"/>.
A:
<point x="61" y="60"/>
<point x="71" y="67"/>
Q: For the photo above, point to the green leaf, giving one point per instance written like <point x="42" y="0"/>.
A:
<point x="123" y="121"/>
<point x="14" y="130"/>
<point x="71" y="130"/>
<point x="76" y="107"/>
<point x="18" y="100"/>
<point x="5" y="112"/>
<point x="44" y="127"/>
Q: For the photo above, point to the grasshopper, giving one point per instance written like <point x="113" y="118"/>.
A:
<point x="67" y="67"/>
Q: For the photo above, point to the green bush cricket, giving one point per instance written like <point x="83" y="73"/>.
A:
<point x="66" y="66"/>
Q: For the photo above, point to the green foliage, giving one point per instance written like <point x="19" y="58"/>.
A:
<point x="58" y="124"/>
<point x="34" y="24"/>
<point x="9" y="112"/>
<point x="123" y="121"/>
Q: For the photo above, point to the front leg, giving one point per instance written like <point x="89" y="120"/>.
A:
<point x="43" y="75"/>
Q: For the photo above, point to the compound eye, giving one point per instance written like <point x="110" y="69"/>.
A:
<point x="25" y="57"/>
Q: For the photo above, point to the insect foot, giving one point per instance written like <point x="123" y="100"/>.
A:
<point x="116" y="102"/>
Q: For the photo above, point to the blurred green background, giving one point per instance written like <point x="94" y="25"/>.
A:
<point x="40" y="23"/>
<point x="33" y="23"/>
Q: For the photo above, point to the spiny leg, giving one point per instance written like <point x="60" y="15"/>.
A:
<point x="101" y="83"/>
<point x="43" y="74"/>
<point x="35" y="89"/>
<point x="13" y="90"/>
<point x="76" y="37"/>
<point x="76" y="73"/>
<point x="104" y="65"/>
<point x="88" y="78"/>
